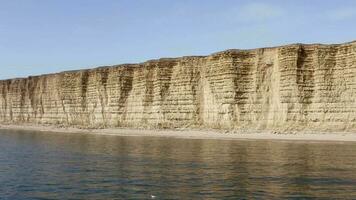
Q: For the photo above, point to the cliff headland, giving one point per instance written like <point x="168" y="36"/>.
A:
<point x="298" y="87"/>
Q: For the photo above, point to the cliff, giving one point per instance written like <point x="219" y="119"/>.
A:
<point x="293" y="87"/>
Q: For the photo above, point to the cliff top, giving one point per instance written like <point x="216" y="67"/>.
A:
<point x="175" y="59"/>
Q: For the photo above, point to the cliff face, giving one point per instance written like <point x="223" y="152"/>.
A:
<point x="292" y="87"/>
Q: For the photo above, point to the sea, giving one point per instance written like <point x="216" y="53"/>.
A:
<point x="42" y="165"/>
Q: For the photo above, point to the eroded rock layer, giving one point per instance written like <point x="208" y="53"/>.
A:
<point x="293" y="87"/>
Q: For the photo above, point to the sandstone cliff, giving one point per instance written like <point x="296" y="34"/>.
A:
<point x="291" y="87"/>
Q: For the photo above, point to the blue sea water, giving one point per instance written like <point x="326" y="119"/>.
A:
<point x="35" y="165"/>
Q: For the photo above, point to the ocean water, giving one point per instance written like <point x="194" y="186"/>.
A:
<point x="36" y="165"/>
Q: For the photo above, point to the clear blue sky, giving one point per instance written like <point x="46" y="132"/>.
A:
<point x="44" y="36"/>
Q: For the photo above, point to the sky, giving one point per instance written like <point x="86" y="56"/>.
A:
<point x="46" y="36"/>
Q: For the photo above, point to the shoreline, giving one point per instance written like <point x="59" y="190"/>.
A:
<point x="196" y="133"/>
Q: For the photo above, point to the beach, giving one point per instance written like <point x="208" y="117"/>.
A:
<point x="196" y="133"/>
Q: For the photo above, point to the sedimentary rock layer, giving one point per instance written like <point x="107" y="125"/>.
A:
<point x="293" y="87"/>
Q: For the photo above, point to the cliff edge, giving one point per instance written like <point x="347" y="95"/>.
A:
<point x="292" y="87"/>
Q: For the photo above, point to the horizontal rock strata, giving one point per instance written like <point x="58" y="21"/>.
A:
<point x="293" y="87"/>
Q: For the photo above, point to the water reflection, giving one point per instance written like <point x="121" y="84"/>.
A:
<point x="56" y="166"/>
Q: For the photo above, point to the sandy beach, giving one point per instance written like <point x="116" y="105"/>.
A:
<point x="196" y="133"/>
